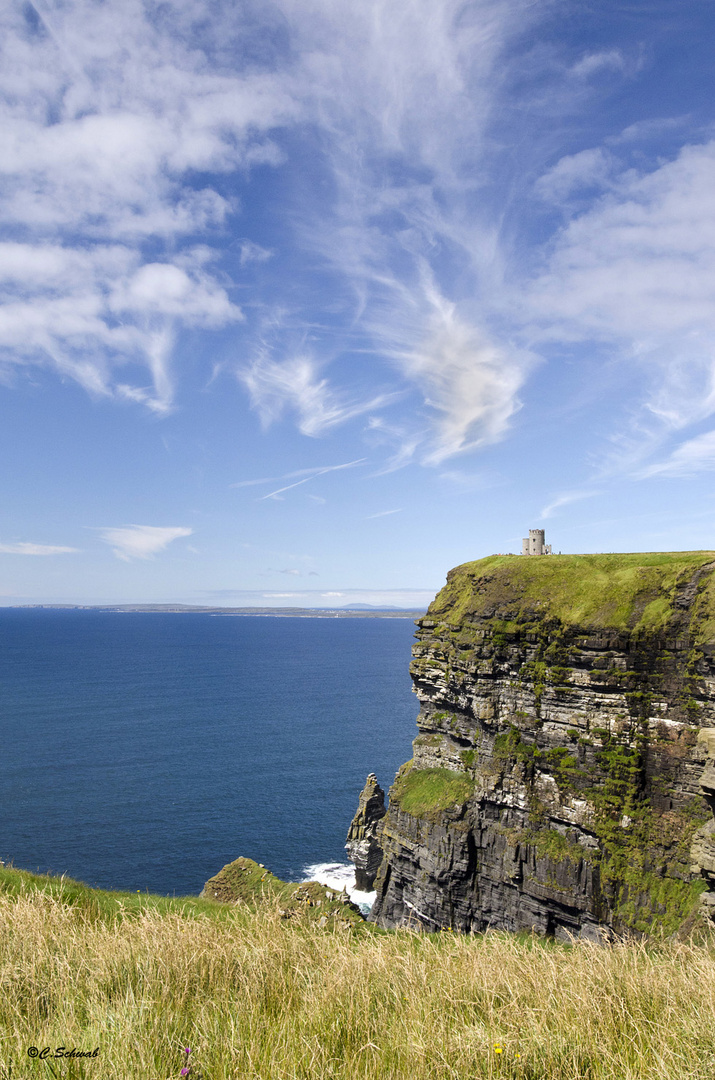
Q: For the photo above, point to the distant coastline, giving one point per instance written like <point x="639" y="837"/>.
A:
<point x="275" y="612"/>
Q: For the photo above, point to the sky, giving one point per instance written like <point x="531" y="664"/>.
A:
<point x="303" y="303"/>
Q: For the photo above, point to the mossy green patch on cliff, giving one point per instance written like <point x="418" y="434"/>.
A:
<point x="422" y="792"/>
<point x="510" y="746"/>
<point x="618" y="592"/>
<point x="551" y="844"/>
<point x="651" y="903"/>
<point x="643" y="854"/>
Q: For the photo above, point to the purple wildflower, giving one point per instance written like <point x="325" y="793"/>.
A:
<point x="184" y="1072"/>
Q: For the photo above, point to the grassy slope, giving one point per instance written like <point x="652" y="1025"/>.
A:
<point x="262" y="998"/>
<point x="622" y="592"/>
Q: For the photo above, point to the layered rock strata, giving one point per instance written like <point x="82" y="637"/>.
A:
<point x="362" y="845"/>
<point x="556" y="777"/>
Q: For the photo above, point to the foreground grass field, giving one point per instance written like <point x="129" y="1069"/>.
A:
<point x="253" y="995"/>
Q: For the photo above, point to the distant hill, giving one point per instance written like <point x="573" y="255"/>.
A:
<point x="356" y="611"/>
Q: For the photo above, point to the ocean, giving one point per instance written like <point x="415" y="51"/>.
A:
<point x="147" y="750"/>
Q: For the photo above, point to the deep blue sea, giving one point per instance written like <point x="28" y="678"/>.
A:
<point x="145" y="751"/>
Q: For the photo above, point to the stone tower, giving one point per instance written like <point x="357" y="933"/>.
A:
<point x="534" y="543"/>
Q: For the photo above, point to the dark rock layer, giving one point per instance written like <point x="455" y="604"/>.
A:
<point x="563" y="737"/>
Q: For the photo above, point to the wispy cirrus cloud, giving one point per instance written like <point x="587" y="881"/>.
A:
<point x="588" y="169"/>
<point x="590" y="63"/>
<point x="252" y="252"/>
<point x="129" y="142"/>
<point x="26" y="548"/>
<point x="90" y="313"/>
<point x="470" y="384"/>
<point x="141" y="541"/>
<point x="389" y="83"/>
<point x="111" y="115"/>
<point x="641" y="262"/>
<point x="105" y="114"/>
<point x="318" y="472"/>
<point x="564" y="500"/>
<point x="636" y="272"/>
<point x="690" y="457"/>
<point x="295" y="385"/>
<point x="305" y="476"/>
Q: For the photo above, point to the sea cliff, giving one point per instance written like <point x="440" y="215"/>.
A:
<point x="566" y="704"/>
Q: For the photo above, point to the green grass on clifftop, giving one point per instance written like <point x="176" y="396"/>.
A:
<point x="620" y="592"/>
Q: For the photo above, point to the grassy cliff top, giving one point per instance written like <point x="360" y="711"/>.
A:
<point x="616" y="592"/>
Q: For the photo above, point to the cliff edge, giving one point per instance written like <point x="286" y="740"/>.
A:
<point x="564" y="730"/>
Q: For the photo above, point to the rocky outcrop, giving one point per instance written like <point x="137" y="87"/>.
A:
<point x="363" y="847"/>
<point x="556" y="777"/>
<point x="245" y="882"/>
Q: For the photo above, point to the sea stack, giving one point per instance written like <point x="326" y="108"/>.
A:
<point x="363" y="847"/>
<point x="563" y="772"/>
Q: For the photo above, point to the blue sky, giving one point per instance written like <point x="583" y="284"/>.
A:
<point x="306" y="302"/>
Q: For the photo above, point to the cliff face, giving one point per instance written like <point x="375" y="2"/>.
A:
<point x="566" y="703"/>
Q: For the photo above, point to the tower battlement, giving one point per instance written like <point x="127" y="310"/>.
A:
<point x="534" y="544"/>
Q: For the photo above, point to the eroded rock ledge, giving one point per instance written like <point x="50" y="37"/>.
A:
<point x="556" y="777"/>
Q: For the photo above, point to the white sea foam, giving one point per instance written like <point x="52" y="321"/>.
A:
<point x="339" y="876"/>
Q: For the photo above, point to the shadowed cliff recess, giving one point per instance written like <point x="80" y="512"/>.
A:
<point x="566" y="704"/>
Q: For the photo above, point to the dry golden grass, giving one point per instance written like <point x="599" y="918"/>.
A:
<point x="254" y="996"/>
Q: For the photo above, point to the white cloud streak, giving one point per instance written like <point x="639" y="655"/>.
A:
<point x="636" y="271"/>
<point x="588" y="65"/>
<point x="692" y="456"/>
<point x="141" y="541"/>
<point x="103" y="114"/>
<point x="470" y="384"/>
<point x="25" y="548"/>
<point x="564" y="500"/>
<point x="252" y="252"/>
<point x="641" y="262"/>
<point x="295" y="385"/>
<point x="313" y="476"/>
